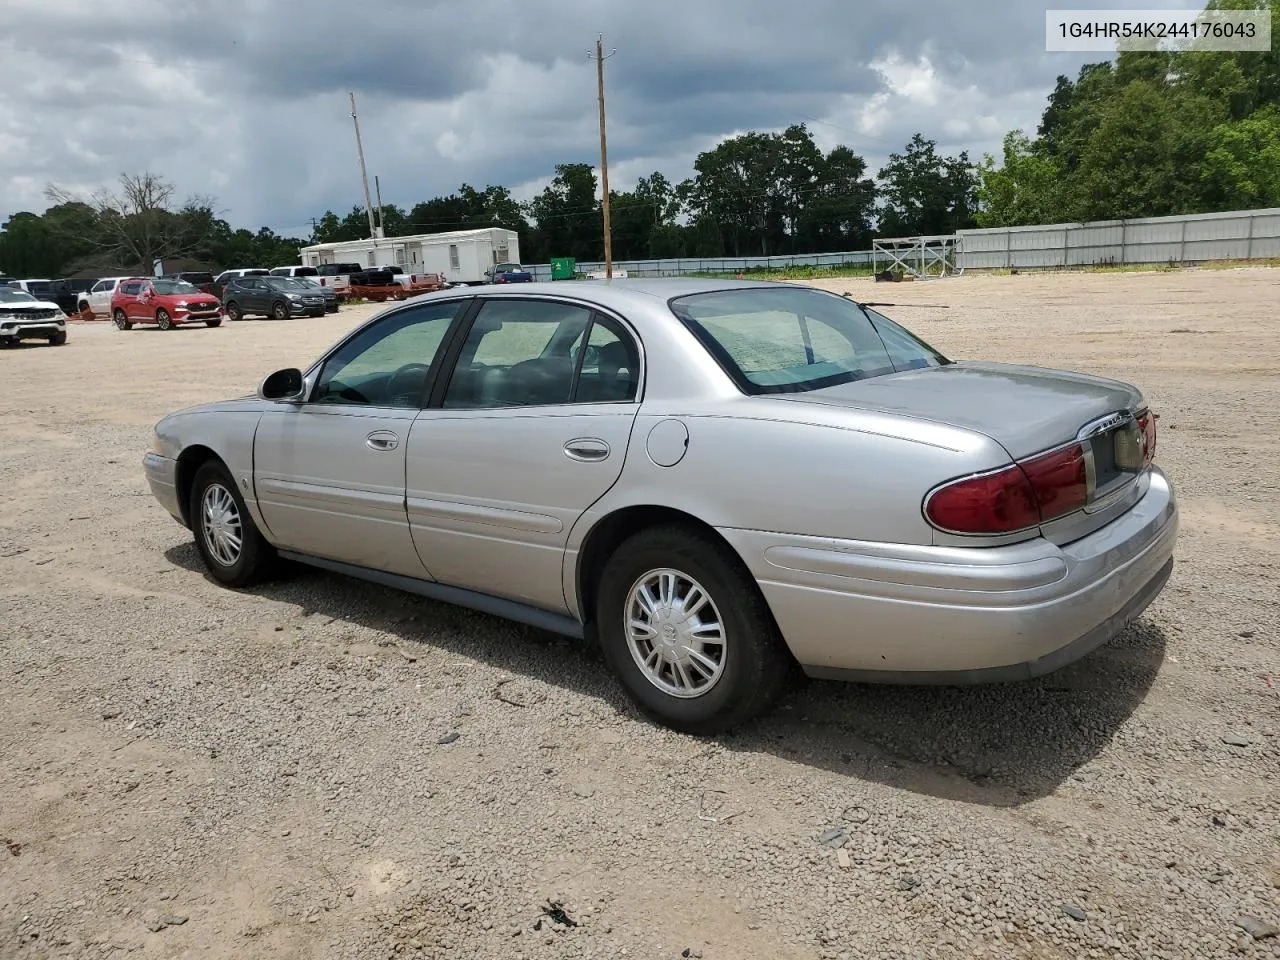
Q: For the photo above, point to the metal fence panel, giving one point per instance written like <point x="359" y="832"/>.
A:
<point x="1236" y="235"/>
<point x="1241" y="235"/>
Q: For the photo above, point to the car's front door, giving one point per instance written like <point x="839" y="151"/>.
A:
<point x="127" y="298"/>
<point x="529" y="431"/>
<point x="329" y="472"/>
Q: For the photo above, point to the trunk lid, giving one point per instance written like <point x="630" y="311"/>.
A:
<point x="1024" y="409"/>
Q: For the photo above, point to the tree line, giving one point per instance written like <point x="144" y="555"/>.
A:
<point x="1148" y="134"/>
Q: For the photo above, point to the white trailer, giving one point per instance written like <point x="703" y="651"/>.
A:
<point x="461" y="256"/>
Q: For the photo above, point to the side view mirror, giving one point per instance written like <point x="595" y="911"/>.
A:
<point x="283" y="385"/>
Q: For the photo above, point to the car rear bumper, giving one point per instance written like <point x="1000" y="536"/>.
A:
<point x="162" y="476"/>
<point x="922" y="614"/>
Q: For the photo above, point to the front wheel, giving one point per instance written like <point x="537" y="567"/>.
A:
<point x="685" y="629"/>
<point x="228" y="541"/>
<point x="214" y="322"/>
<point x="233" y="312"/>
<point x="280" y="310"/>
<point x="58" y="339"/>
<point x="163" y="320"/>
<point x="122" y="321"/>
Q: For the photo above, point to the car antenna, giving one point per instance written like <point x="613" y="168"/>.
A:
<point x="882" y="303"/>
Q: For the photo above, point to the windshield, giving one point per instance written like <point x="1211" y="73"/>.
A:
<point x="15" y="295"/>
<point x="785" y="340"/>
<point x="175" y="286"/>
<point x="285" y="283"/>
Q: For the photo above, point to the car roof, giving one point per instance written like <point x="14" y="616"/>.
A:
<point x="623" y="292"/>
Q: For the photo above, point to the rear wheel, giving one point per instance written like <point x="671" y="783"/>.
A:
<point x="58" y="339"/>
<point x="685" y="629"/>
<point x="233" y="312"/>
<point x="280" y="310"/>
<point x="122" y="322"/>
<point x="229" y="543"/>
<point x="163" y="320"/>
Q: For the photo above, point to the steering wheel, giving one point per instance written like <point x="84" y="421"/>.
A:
<point x="401" y="386"/>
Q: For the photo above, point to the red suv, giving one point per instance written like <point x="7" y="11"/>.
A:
<point x="166" y="303"/>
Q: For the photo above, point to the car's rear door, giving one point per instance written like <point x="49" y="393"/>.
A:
<point x="329" y="472"/>
<point x="525" y="434"/>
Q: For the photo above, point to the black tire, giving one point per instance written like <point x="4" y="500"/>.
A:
<point x="256" y="559"/>
<point x="280" y="310"/>
<point x="215" y="322"/>
<point x="122" y="321"/>
<point x="233" y="312"/>
<point x="58" y="339"/>
<point x="163" y="320"/>
<point x="6" y="342"/>
<point x="755" y="662"/>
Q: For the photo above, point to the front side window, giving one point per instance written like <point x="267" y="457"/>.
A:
<point x="785" y="340"/>
<point x="131" y="289"/>
<point x="387" y="364"/>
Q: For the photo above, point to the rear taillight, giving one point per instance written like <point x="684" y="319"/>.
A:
<point x="1147" y="424"/>
<point x="1020" y="496"/>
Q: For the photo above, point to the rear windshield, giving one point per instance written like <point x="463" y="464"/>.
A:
<point x="787" y="340"/>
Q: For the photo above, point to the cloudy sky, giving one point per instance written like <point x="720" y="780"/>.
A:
<point x="246" y="100"/>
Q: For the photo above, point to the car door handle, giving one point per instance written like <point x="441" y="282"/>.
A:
<point x="382" y="440"/>
<point x="587" y="449"/>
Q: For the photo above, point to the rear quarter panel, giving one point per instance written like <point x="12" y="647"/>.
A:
<point x="828" y="474"/>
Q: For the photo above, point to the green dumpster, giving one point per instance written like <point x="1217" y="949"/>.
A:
<point x="563" y="268"/>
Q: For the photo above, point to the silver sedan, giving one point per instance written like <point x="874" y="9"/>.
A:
<point x="716" y="481"/>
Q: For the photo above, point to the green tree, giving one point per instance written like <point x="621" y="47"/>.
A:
<point x="1024" y="189"/>
<point x="924" y="193"/>
<point x="1242" y="164"/>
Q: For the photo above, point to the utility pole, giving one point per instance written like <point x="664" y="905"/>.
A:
<point x="377" y="189"/>
<point x="364" y="174"/>
<point x="600" y="58"/>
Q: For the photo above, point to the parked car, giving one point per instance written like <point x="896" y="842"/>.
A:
<point x="42" y="290"/>
<point x="278" y="297"/>
<point x="372" y="277"/>
<point x="226" y="276"/>
<point x="166" y="303"/>
<point x="66" y="293"/>
<point x="330" y="295"/>
<point x="713" y="479"/>
<point x="23" y="317"/>
<point x="294" y="271"/>
<point x="202" y="280"/>
<point x="98" y="300"/>
<point x="507" y="273"/>
<point x="337" y="275"/>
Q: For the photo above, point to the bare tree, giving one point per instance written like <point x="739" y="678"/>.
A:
<point x="139" y="222"/>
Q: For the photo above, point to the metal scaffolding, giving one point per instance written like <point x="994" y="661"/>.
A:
<point x="924" y="258"/>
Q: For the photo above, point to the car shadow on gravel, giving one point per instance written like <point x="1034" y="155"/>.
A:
<point x="998" y="745"/>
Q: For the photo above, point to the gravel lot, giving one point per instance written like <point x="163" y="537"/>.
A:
<point x="194" y="771"/>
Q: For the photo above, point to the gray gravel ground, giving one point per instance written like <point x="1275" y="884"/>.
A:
<point x="194" y="771"/>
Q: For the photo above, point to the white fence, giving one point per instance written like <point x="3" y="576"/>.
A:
<point x="1239" y="235"/>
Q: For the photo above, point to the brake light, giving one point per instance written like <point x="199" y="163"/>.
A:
<point x="1147" y="424"/>
<point x="1022" y="495"/>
